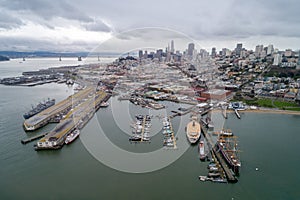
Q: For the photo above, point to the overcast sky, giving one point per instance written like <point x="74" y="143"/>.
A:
<point x="79" y="25"/>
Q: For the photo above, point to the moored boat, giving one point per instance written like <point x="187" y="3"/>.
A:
<point x="201" y="149"/>
<point x="72" y="136"/>
<point x="193" y="131"/>
<point x="39" y="108"/>
<point x="104" y="104"/>
<point x="228" y="149"/>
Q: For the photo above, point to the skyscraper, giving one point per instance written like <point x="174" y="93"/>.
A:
<point x="258" y="50"/>
<point x="191" y="48"/>
<point x="270" y="49"/>
<point x="213" y="52"/>
<point x="140" y="53"/>
<point x="238" y="49"/>
<point x="172" y="46"/>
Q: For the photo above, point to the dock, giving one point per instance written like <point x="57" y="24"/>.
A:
<point x="77" y="117"/>
<point x="27" y="140"/>
<point x="229" y="174"/>
<point x="237" y="113"/>
<point x="173" y="136"/>
<point x="55" y="112"/>
<point x="224" y="112"/>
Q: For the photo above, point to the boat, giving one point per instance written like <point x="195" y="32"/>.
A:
<point x="219" y="180"/>
<point x="39" y="108"/>
<point x="205" y="178"/>
<point x="226" y="132"/>
<point x="193" y="131"/>
<point x="72" y="136"/>
<point x="213" y="174"/>
<point x="201" y="150"/>
<point x="228" y="148"/>
<point x="104" y="104"/>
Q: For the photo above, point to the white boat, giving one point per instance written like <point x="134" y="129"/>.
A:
<point x="193" y="131"/>
<point x="72" y="136"/>
<point x="201" y="150"/>
<point x="104" y="104"/>
<point x="227" y="132"/>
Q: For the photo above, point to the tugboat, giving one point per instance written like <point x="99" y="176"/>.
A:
<point x="72" y="136"/>
<point x="193" y="131"/>
<point x="39" y="108"/>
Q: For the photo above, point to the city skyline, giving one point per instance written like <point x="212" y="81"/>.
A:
<point x="76" y="26"/>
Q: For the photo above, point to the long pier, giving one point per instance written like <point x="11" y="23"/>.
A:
<point x="75" y="118"/>
<point x="229" y="175"/>
<point x="237" y="113"/>
<point x="27" y="140"/>
<point x="57" y="111"/>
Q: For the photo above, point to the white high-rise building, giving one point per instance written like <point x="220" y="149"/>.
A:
<point x="277" y="59"/>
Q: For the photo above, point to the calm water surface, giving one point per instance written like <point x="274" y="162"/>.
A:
<point x="268" y="141"/>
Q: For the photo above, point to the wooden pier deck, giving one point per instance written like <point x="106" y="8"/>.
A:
<point x="27" y="140"/>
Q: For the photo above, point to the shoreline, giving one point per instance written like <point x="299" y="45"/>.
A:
<point x="286" y="112"/>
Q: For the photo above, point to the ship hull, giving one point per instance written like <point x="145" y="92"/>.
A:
<point x="234" y="167"/>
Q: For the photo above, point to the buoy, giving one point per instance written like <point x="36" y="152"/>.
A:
<point x="256" y="169"/>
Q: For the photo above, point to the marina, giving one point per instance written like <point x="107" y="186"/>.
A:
<point x="169" y="140"/>
<point x="141" y="129"/>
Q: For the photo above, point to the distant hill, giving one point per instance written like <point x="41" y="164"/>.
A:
<point x="4" y="58"/>
<point x="19" y="54"/>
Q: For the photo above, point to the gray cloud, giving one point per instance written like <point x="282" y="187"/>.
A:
<point x="9" y="22"/>
<point x="97" y="25"/>
<point x="230" y="20"/>
<point x="47" y="9"/>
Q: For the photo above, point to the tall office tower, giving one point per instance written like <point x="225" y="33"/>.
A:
<point x="270" y="49"/>
<point x="238" y="49"/>
<point x="159" y="53"/>
<point x="213" y="52"/>
<point x="140" y="53"/>
<point x="172" y="46"/>
<point x="258" y="50"/>
<point x="191" y="48"/>
<point x="146" y="55"/>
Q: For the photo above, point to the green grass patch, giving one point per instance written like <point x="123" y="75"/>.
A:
<point x="282" y="104"/>
<point x="267" y="103"/>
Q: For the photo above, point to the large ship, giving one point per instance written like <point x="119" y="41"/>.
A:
<point x="72" y="136"/>
<point x="193" y="131"/>
<point x="39" y="108"/>
<point x="228" y="148"/>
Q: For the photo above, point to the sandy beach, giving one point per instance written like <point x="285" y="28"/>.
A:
<point x="273" y="111"/>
